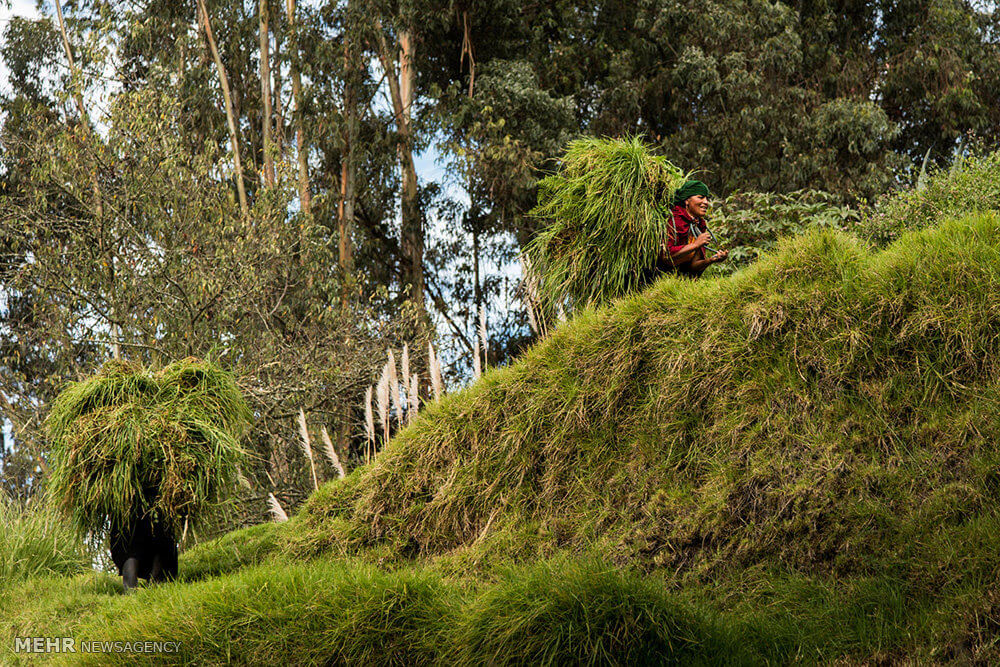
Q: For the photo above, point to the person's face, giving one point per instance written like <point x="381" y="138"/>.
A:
<point x="697" y="205"/>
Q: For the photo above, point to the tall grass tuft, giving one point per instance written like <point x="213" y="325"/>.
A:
<point x="414" y="394"/>
<point x="568" y="612"/>
<point x="277" y="511"/>
<point x="606" y="216"/>
<point x="163" y="443"/>
<point x="382" y="400"/>
<point x="36" y="541"/>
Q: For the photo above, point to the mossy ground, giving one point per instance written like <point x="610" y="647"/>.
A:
<point x="800" y="462"/>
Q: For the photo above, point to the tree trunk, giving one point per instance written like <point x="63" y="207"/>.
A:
<point x="95" y="185"/>
<point x="301" y="149"/>
<point x="278" y="135"/>
<point x="412" y="232"/>
<point x="265" y="92"/>
<point x="228" y="98"/>
<point x="345" y="213"/>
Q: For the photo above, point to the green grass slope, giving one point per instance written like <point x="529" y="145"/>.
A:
<point x="827" y="410"/>
<point x="799" y="462"/>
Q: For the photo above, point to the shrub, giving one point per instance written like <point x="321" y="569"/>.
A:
<point x="971" y="184"/>
<point x="749" y="224"/>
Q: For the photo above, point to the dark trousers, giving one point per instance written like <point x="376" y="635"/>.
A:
<point x="144" y="549"/>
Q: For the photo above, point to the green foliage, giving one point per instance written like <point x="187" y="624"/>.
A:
<point x="750" y="224"/>
<point x="130" y="442"/>
<point x="186" y="275"/>
<point x="605" y="215"/>
<point x="504" y="134"/>
<point x="582" y="613"/>
<point x="314" y="613"/>
<point x="971" y="184"/>
<point x="232" y="551"/>
<point x="35" y="541"/>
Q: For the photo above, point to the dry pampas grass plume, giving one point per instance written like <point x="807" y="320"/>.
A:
<point x="276" y="510"/>
<point x="307" y="445"/>
<point x="331" y="453"/>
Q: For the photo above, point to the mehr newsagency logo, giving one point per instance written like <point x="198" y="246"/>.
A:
<point x="71" y="645"/>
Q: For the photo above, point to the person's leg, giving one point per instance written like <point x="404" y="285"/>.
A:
<point x="170" y="562"/>
<point x="156" y="571"/>
<point x="130" y="573"/>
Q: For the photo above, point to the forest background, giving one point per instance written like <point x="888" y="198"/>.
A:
<point x="250" y="182"/>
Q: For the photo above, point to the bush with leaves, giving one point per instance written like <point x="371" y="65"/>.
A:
<point x="169" y="268"/>
<point x="971" y="184"/>
<point x="749" y="224"/>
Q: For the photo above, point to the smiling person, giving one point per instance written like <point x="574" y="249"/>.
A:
<point x="684" y="251"/>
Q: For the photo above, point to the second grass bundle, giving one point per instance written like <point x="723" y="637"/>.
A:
<point x="164" y="444"/>
<point x="606" y="214"/>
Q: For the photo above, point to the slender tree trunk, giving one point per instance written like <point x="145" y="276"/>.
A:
<point x="412" y="225"/>
<point x="477" y="291"/>
<point x="474" y="220"/>
<point x="301" y="149"/>
<point x="265" y="91"/>
<point x="276" y="91"/>
<point x="401" y="91"/>
<point x="228" y="98"/>
<point x="95" y="185"/>
<point x="348" y="165"/>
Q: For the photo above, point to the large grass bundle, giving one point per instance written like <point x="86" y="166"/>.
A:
<point x="164" y="444"/>
<point x="606" y="213"/>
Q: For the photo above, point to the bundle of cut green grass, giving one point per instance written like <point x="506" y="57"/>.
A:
<point x="606" y="213"/>
<point x="164" y="444"/>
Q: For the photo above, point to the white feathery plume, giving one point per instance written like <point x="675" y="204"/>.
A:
<point x="307" y="446"/>
<point x="482" y="337"/>
<point x="369" y="418"/>
<point x="382" y="401"/>
<point x="404" y="363"/>
<point x="437" y="384"/>
<point x="477" y="364"/>
<point x="276" y="510"/>
<point x="397" y="399"/>
<point x="331" y="451"/>
<point x="414" y="393"/>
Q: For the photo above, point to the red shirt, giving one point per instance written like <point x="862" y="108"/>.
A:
<point x="679" y="231"/>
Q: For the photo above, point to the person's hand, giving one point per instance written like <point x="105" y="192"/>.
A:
<point x="720" y="256"/>
<point x="703" y="239"/>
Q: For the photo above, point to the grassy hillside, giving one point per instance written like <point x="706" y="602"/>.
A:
<point x="797" y="462"/>
<point x="821" y="411"/>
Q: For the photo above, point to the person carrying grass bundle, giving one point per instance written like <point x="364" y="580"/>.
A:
<point x="688" y="235"/>
<point x="136" y="454"/>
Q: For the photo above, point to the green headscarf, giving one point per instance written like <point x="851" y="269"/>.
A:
<point x="690" y="189"/>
